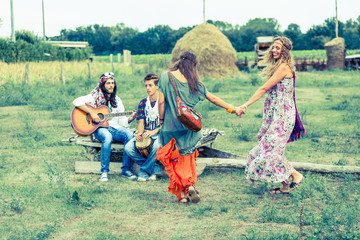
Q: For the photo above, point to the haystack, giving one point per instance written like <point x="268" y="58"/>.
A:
<point x="215" y="54"/>
<point x="335" y="51"/>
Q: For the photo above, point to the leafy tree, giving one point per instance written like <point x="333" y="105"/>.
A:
<point x="122" y="37"/>
<point x="26" y="36"/>
<point x="222" y="26"/>
<point x="257" y="27"/>
<point x="351" y="34"/>
<point x="294" y="33"/>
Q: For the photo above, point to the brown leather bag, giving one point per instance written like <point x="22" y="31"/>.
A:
<point x="187" y="116"/>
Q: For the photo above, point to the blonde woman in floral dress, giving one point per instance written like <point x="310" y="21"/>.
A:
<point x="281" y="122"/>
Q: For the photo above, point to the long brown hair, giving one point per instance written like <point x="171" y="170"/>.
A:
<point x="285" y="57"/>
<point x="187" y="66"/>
<point x="112" y="98"/>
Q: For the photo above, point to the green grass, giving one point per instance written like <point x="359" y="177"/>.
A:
<point x="42" y="198"/>
<point x="164" y="59"/>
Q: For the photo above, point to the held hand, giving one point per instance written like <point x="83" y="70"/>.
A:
<point x="138" y="137"/>
<point x="240" y="111"/>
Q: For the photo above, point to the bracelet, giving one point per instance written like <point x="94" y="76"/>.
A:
<point x="244" y="107"/>
<point x="230" y="109"/>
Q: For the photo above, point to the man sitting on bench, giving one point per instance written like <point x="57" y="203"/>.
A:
<point x="147" y="137"/>
<point x="105" y="94"/>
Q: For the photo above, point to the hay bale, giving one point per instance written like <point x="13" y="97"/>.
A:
<point x="215" y="54"/>
<point x="335" y="51"/>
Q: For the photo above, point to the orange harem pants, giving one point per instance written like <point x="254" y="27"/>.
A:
<point x="180" y="168"/>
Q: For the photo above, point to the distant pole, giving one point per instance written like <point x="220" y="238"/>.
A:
<point x="336" y="21"/>
<point x="12" y="22"/>
<point x="203" y="11"/>
<point x="43" y="15"/>
<point x="26" y="76"/>
<point x="62" y="74"/>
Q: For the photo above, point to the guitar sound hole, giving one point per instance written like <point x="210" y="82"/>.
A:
<point x="101" y="116"/>
<point x="88" y="118"/>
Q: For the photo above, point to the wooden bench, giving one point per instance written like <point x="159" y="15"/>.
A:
<point x="93" y="147"/>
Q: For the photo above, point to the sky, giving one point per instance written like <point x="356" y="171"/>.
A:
<point x="143" y="14"/>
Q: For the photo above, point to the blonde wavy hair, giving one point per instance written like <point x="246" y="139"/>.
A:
<point x="285" y="57"/>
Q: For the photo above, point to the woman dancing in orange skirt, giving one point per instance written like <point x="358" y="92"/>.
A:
<point x="177" y="143"/>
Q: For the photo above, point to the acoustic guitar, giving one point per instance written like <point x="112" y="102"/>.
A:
<point x="83" y="124"/>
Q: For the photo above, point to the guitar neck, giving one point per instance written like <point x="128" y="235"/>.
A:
<point x="112" y="115"/>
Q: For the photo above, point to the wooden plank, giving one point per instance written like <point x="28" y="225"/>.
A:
<point x="93" y="167"/>
<point x="89" y="143"/>
<point x="241" y="163"/>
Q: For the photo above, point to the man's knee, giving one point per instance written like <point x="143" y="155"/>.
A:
<point x="156" y="145"/>
<point x="108" y="138"/>
<point x="130" y="146"/>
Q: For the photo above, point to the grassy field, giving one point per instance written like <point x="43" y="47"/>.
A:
<point x="166" y="58"/>
<point x="38" y="194"/>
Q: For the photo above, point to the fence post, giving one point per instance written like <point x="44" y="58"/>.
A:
<point x="119" y="57"/>
<point x="62" y="75"/>
<point x="111" y="62"/>
<point x="89" y="68"/>
<point x="26" y="76"/>
<point x="132" y="67"/>
<point x="127" y="57"/>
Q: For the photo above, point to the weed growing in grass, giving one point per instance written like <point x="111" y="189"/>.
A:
<point x="259" y="115"/>
<point x="201" y="211"/>
<point x="244" y="132"/>
<point x="204" y="108"/>
<point x="9" y="207"/>
<point x="56" y="175"/>
<point x="15" y="94"/>
<point x="341" y="162"/>
<point x="224" y="209"/>
<point x="254" y="79"/>
<point x="255" y="234"/>
<point x="29" y="136"/>
<point x="217" y="87"/>
<point x="17" y="206"/>
<point x="45" y="232"/>
<point x="270" y="213"/>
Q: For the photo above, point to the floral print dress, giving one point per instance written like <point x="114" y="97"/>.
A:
<point x="266" y="161"/>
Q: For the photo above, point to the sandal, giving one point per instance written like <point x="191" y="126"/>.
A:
<point x="278" y="191"/>
<point x="294" y="185"/>
<point x="193" y="194"/>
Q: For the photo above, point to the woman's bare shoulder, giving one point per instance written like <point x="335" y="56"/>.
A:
<point x="286" y="70"/>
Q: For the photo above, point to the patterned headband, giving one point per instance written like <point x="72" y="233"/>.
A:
<point x="282" y="43"/>
<point x="106" y="76"/>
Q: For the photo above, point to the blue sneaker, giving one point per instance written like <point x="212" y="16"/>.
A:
<point x="128" y="174"/>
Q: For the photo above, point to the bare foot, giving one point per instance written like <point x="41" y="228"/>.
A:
<point x="184" y="200"/>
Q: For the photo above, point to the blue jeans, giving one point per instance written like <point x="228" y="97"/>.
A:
<point x="106" y="136"/>
<point x="148" y="166"/>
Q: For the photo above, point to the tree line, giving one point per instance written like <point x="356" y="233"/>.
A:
<point x="162" y="38"/>
<point x="28" y="48"/>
